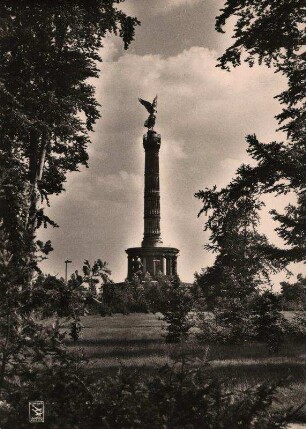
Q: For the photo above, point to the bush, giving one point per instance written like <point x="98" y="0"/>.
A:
<point x="175" y="397"/>
<point x="293" y="295"/>
<point x="139" y="303"/>
<point x="269" y="323"/>
<point x="50" y="296"/>
<point x="116" y="298"/>
<point x="297" y="326"/>
<point x="136" y="296"/>
<point x="236" y="320"/>
<point x="230" y="323"/>
<point x="179" y="304"/>
<point x="76" y="328"/>
<point x="156" y="292"/>
<point x="105" y="310"/>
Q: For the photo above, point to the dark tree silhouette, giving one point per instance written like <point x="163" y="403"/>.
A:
<point x="273" y="33"/>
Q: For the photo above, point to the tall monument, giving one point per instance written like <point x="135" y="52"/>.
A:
<point x="151" y="257"/>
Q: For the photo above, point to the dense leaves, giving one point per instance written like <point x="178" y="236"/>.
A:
<point x="174" y="397"/>
<point x="293" y="295"/>
<point x="234" y="320"/>
<point x="178" y="306"/>
<point x="95" y="273"/>
<point x="241" y="264"/>
<point x="48" y="52"/>
<point x="273" y="33"/>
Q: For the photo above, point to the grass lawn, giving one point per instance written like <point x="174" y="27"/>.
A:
<point x="136" y="341"/>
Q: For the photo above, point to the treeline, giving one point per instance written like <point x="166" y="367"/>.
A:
<point x="234" y="316"/>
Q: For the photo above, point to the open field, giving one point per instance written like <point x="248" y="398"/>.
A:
<point x="136" y="341"/>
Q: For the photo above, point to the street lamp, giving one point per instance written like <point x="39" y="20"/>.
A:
<point x="66" y="268"/>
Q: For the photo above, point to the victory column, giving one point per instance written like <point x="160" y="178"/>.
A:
<point x="151" y="257"/>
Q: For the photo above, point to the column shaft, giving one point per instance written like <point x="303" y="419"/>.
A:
<point x="151" y="143"/>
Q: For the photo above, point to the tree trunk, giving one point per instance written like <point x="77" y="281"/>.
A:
<point x="36" y="166"/>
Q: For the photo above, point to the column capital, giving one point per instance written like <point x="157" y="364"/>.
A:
<point x="151" y="140"/>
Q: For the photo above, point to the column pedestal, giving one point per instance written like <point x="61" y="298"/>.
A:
<point x="152" y="260"/>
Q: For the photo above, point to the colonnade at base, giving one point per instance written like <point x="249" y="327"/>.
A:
<point x="155" y="260"/>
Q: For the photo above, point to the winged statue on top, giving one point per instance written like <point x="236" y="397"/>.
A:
<point x="152" y="109"/>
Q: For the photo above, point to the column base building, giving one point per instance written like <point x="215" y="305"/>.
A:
<point x="152" y="260"/>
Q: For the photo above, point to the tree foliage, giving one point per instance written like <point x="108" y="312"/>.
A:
<point x="52" y="296"/>
<point x="273" y="33"/>
<point x="48" y="51"/>
<point x="93" y="274"/>
<point x="293" y="295"/>
<point x="269" y="322"/>
<point x="178" y="305"/>
<point x="172" y="397"/>
<point x="241" y="265"/>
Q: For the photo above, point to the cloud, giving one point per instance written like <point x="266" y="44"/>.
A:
<point x="122" y="181"/>
<point x="230" y="163"/>
<point x="111" y="47"/>
<point x="119" y="186"/>
<point x="176" y="149"/>
<point x="155" y="7"/>
<point x="203" y="115"/>
<point x="203" y="112"/>
<point x="166" y="5"/>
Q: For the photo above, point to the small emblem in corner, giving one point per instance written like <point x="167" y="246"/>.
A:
<point x="36" y="412"/>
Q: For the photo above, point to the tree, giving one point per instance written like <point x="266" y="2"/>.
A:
<point x="178" y="306"/>
<point x="26" y="345"/>
<point x="270" y="324"/>
<point x="293" y="295"/>
<point x="51" y="296"/>
<point x="273" y="33"/>
<point x="241" y="265"/>
<point x="48" y="52"/>
<point x="94" y="273"/>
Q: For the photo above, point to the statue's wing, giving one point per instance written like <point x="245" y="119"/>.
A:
<point x="155" y="102"/>
<point x="146" y="104"/>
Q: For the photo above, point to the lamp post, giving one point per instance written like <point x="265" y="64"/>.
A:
<point x="66" y="268"/>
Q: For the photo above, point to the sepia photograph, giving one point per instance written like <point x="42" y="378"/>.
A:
<point x="152" y="214"/>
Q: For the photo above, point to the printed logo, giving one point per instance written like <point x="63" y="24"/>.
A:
<point x="36" y="412"/>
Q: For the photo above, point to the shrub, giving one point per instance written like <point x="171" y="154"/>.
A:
<point x="156" y="292"/>
<point x="136" y="296"/>
<point x="137" y="290"/>
<point x="175" y="397"/>
<point x="297" y="325"/>
<point x="105" y="310"/>
<point x="117" y="298"/>
<point x="181" y="397"/>
<point x="179" y="304"/>
<point x="270" y="325"/>
<point x="293" y="295"/>
<point x="230" y="323"/>
<point x="76" y="328"/>
<point x="237" y="320"/>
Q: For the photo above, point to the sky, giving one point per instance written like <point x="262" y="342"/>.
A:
<point x="204" y="114"/>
